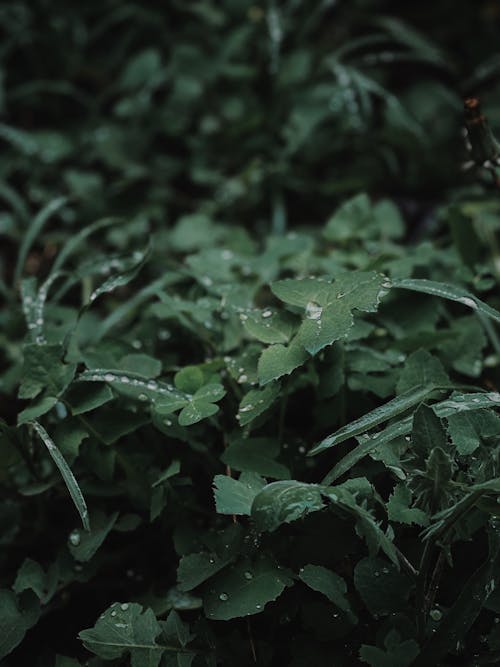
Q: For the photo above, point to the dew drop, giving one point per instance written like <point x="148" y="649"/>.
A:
<point x="248" y="575"/>
<point x="267" y="313"/>
<point x="113" y="613"/>
<point x="377" y="574"/>
<point x="313" y="310"/>
<point x="167" y="422"/>
<point x="74" y="538"/>
<point x="242" y="378"/>
<point x="124" y="606"/>
<point x="258" y="606"/>
<point x="152" y="384"/>
<point x="223" y="597"/>
<point x="142" y="397"/>
<point x="436" y="614"/>
<point x="468" y="302"/>
<point x="109" y="377"/>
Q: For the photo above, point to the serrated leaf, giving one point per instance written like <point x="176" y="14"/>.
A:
<point x="467" y="429"/>
<point x="244" y="590"/>
<point x="278" y="360"/>
<point x="235" y="496"/>
<point x="328" y="306"/>
<point x="367" y="442"/>
<point x="125" y="628"/>
<point x="284" y="502"/>
<point x="43" y="369"/>
<point x="421" y="369"/>
<point x="427" y="431"/>
<point x="398" y="508"/>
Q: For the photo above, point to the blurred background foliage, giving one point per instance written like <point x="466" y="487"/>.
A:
<point x="257" y="114"/>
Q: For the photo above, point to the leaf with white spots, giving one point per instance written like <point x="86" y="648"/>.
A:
<point x="244" y="589"/>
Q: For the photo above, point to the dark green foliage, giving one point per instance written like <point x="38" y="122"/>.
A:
<point x="249" y="362"/>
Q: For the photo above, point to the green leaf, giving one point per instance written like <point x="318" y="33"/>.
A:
<point x="451" y="292"/>
<point x="189" y="379"/>
<point x="136" y="386"/>
<point x="427" y="431"/>
<point x="328" y="306"/>
<point x="383" y="589"/>
<point x="467" y="429"/>
<point x="255" y="455"/>
<point x="270" y="326"/>
<point x="328" y="583"/>
<point x="397" y="654"/>
<point x="16" y="619"/>
<point x="143" y="364"/>
<point x="422" y="369"/>
<point x="84" y="398"/>
<point x="278" y="360"/>
<point x="67" y="475"/>
<point x="398" y="508"/>
<point x="125" y="628"/>
<point x="43" y="369"/>
<point x="256" y="402"/>
<point x="37" y="409"/>
<point x="34" y="229"/>
<point x="244" y="590"/>
<point x="30" y="576"/>
<point x="195" y="411"/>
<point x="84" y="545"/>
<point x="472" y="596"/>
<point x="121" y="279"/>
<point x="235" y="496"/>
<point x="74" y="241"/>
<point x="284" y="502"/>
<point x="194" y="569"/>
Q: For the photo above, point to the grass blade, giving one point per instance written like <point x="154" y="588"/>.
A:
<point x="35" y="228"/>
<point x="381" y="414"/>
<point x="450" y="292"/>
<point x="67" y="475"/>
